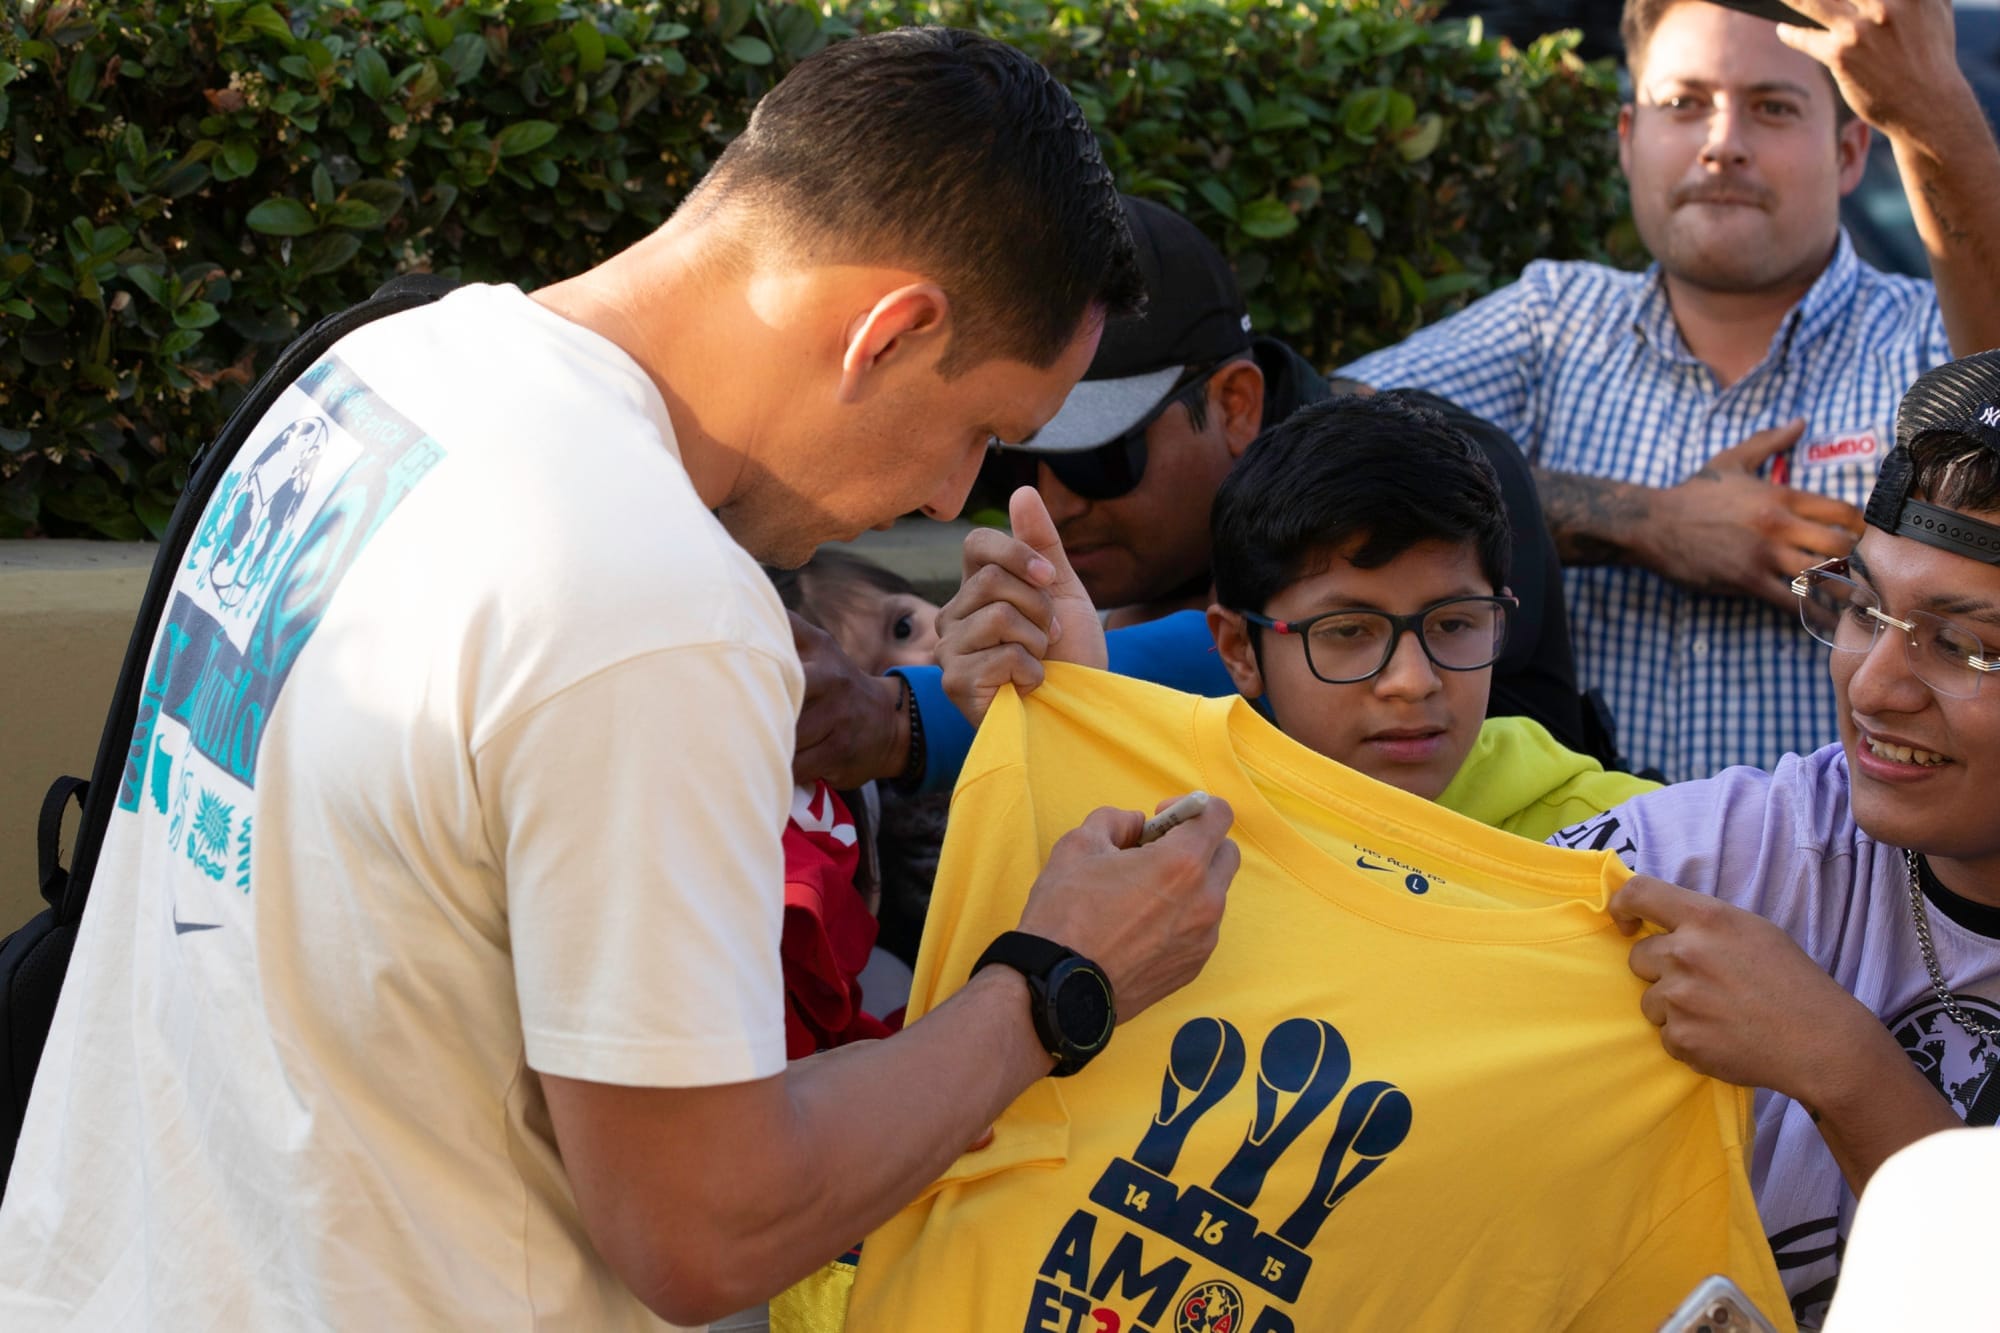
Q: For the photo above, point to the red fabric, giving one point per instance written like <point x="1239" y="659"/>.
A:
<point x="828" y="930"/>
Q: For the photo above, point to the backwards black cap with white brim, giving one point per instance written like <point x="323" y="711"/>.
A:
<point x="1194" y="319"/>
<point x="1962" y="399"/>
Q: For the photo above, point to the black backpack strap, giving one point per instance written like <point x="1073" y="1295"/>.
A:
<point x="205" y="474"/>
<point x="48" y="836"/>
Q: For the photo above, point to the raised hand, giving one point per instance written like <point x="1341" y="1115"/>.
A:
<point x="1020" y="604"/>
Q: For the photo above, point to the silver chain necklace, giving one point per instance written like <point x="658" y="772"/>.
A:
<point x="1922" y="917"/>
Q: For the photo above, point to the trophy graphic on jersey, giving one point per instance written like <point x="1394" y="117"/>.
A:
<point x="1303" y="1066"/>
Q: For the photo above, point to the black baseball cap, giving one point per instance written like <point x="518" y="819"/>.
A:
<point x="1194" y="319"/>
<point x="1962" y="399"/>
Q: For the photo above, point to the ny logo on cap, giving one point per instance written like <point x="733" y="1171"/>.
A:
<point x="1989" y="417"/>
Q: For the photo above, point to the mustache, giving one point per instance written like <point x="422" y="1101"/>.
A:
<point x="1721" y="192"/>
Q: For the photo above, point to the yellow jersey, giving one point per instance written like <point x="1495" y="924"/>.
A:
<point x="1411" y="1090"/>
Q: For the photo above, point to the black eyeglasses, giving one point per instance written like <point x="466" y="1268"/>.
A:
<point x="1350" y="645"/>
<point x="1117" y="466"/>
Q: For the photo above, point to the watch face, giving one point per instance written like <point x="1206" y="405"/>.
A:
<point x="1081" y="1004"/>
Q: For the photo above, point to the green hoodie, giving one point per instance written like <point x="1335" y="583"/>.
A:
<point x="1518" y="778"/>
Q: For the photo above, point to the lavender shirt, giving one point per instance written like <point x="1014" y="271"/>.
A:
<point x="1784" y="845"/>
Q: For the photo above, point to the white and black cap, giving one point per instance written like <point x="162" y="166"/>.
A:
<point x="1194" y="319"/>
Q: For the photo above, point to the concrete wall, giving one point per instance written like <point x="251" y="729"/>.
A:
<point x="66" y="613"/>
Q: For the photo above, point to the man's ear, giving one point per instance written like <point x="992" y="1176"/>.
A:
<point x="1232" y="641"/>
<point x="1237" y="391"/>
<point x="1625" y="114"/>
<point x="906" y="326"/>
<point x="1853" y="153"/>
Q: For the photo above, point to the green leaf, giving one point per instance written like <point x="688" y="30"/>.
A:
<point x="149" y="281"/>
<point x="325" y="252"/>
<point x="1239" y="98"/>
<point x="545" y="172"/>
<point x="322" y="185"/>
<point x="156" y="514"/>
<point x="1267" y="219"/>
<point x="371" y="74"/>
<point x="730" y="16"/>
<point x="268" y="21"/>
<point x="1218" y="195"/>
<point x="1450" y="284"/>
<point x="240" y="155"/>
<point x="466" y="56"/>
<point x="523" y="136"/>
<point x="387" y="197"/>
<point x="1363" y="113"/>
<point x="177" y="342"/>
<point x="1402" y="111"/>
<point x="109" y="241"/>
<point x="281" y="217"/>
<point x="1276" y="116"/>
<point x="750" y="50"/>
<point x="589" y="45"/>
<point x="82" y="80"/>
<point x="355" y="213"/>
<point x="196" y="315"/>
<point x="1422" y="139"/>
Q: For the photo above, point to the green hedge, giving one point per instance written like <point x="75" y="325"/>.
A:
<point x="183" y="183"/>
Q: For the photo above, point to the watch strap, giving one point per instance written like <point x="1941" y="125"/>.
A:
<point x="1030" y="955"/>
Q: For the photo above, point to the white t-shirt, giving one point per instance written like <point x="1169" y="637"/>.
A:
<point x="1922" y="1238"/>
<point x="466" y="754"/>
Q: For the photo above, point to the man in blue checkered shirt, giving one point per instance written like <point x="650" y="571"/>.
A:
<point x="1704" y="430"/>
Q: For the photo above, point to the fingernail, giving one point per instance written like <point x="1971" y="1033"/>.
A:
<point x="1055" y="631"/>
<point x="1040" y="570"/>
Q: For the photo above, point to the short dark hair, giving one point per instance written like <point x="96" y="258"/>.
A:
<point x="1956" y="471"/>
<point x="1378" y="468"/>
<point x="1636" y="29"/>
<point x="957" y="155"/>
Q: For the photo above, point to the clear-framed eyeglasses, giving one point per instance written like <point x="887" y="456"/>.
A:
<point x="1355" y="644"/>
<point x="1846" y="616"/>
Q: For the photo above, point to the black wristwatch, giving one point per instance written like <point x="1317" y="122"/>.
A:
<point x="1069" y="997"/>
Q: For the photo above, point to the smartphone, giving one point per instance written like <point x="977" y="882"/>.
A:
<point x="1180" y="812"/>
<point x="1772" y="10"/>
<point x="1717" y="1305"/>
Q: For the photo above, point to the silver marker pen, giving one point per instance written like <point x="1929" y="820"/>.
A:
<point x="1180" y="812"/>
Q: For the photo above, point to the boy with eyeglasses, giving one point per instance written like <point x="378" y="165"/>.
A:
<point x="1361" y="555"/>
<point x="1836" y="940"/>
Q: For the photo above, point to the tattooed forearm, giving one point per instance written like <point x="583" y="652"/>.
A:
<point x="1951" y="232"/>
<point x="1593" y="521"/>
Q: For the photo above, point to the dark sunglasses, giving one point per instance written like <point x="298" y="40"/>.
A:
<point x="1115" y="467"/>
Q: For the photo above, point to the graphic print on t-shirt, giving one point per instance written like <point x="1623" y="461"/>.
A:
<point x="1250" y="1252"/>
<point x="284" y="526"/>
<point x="1964" y="1066"/>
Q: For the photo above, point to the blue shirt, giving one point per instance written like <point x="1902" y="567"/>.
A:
<point x="1586" y="368"/>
